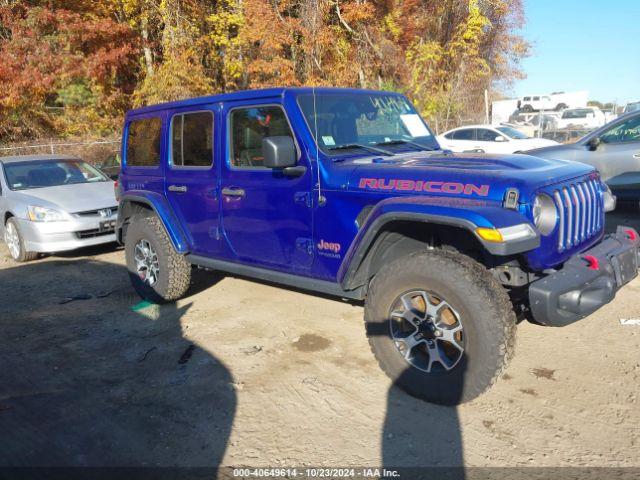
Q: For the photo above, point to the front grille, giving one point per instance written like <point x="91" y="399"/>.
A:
<point x="95" y="213"/>
<point x="95" y="232"/>
<point x="580" y="212"/>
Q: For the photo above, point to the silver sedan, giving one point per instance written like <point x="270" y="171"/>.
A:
<point x="613" y="149"/>
<point x="54" y="203"/>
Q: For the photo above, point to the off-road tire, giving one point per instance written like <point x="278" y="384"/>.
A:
<point x="485" y="311"/>
<point x="175" y="272"/>
<point x="24" y="255"/>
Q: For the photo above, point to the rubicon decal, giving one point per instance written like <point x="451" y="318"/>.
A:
<point x="451" y="188"/>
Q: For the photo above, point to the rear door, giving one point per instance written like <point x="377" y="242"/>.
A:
<point x="463" y="140"/>
<point x="266" y="216"/>
<point x="191" y="180"/>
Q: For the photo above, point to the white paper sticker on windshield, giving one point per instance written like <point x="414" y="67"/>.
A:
<point x="328" y="141"/>
<point x="415" y="125"/>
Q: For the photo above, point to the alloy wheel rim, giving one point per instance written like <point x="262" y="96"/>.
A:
<point x="12" y="240"/>
<point x="427" y="331"/>
<point x="147" y="264"/>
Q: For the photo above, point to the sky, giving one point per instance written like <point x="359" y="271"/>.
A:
<point x="582" y="45"/>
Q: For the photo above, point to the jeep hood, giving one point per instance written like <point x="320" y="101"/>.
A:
<point x="469" y="175"/>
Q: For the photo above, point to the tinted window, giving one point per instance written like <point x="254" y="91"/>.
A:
<point x="526" y="99"/>
<point x="628" y="131"/>
<point x="192" y="139"/>
<point x="535" y="99"/>
<point x="143" y="143"/>
<point x="577" y="113"/>
<point x="464" y="134"/>
<point x="248" y="127"/>
<point x="486" y="135"/>
<point x="512" y="132"/>
<point x="632" y="107"/>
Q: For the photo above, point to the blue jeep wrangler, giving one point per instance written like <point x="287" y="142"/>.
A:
<point x="346" y="192"/>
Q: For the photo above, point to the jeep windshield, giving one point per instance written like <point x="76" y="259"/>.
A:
<point x="365" y="124"/>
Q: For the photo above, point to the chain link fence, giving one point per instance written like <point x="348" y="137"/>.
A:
<point x="96" y="152"/>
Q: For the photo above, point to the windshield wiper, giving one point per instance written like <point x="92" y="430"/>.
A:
<point x="406" y="142"/>
<point x="349" y="146"/>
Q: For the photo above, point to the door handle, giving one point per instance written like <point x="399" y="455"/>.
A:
<point x="637" y="155"/>
<point x="178" y="188"/>
<point x="233" y="192"/>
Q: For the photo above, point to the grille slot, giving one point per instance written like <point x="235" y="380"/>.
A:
<point x="95" y="232"/>
<point x="580" y="212"/>
<point x="95" y="213"/>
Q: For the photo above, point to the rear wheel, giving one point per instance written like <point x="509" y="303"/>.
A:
<point x="527" y="108"/>
<point x="15" y="242"/>
<point x="157" y="272"/>
<point x="440" y="326"/>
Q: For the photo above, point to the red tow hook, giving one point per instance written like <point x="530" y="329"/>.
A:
<point x="593" y="262"/>
<point x="632" y="234"/>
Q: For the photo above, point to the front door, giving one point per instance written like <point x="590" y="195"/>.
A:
<point x="191" y="178"/>
<point x="618" y="158"/>
<point x="266" y="216"/>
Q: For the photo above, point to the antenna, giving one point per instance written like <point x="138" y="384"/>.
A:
<point x="321" y="199"/>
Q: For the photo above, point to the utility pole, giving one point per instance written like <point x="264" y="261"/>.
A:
<point x="486" y="106"/>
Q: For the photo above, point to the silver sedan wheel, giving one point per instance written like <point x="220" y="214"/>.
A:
<point x="12" y="239"/>
<point x="427" y="331"/>
<point x="147" y="264"/>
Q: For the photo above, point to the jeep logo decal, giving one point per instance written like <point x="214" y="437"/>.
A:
<point x="451" y="188"/>
<point x="328" y="246"/>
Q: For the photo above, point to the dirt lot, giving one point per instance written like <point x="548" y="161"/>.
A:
<point x="280" y="377"/>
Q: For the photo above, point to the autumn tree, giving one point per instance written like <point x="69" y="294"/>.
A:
<point x="91" y="61"/>
<point x="62" y="72"/>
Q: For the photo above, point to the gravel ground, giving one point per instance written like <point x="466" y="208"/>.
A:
<point x="247" y="373"/>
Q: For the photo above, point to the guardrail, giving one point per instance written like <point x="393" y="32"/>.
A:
<point x="94" y="151"/>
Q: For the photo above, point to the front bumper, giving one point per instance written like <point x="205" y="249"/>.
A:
<point x="587" y="281"/>
<point x="68" y="235"/>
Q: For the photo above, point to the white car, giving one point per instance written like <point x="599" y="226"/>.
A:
<point x="490" y="139"/>
<point x="587" y="117"/>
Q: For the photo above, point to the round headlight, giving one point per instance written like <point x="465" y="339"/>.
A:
<point x="545" y="214"/>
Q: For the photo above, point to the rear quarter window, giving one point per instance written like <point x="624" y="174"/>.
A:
<point x="464" y="134"/>
<point x="143" y="142"/>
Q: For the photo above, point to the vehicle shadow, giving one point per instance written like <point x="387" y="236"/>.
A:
<point x="419" y="438"/>
<point x="87" y="381"/>
<point x="91" y="251"/>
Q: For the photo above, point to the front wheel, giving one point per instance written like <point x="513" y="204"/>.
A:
<point x="157" y="272"/>
<point x="15" y="242"/>
<point x="441" y="327"/>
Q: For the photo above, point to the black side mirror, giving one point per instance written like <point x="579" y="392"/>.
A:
<point x="279" y="152"/>
<point x="594" y="143"/>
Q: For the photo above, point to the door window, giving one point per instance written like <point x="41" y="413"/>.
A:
<point x="628" y="131"/>
<point x="486" y="135"/>
<point x="463" y="134"/>
<point x="248" y="127"/>
<point x="192" y="140"/>
<point x="143" y="142"/>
